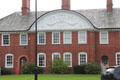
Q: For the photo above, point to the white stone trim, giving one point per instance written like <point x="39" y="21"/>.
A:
<point x="70" y="58"/>
<point x="79" y="57"/>
<point x="6" y="61"/>
<point x="26" y="39"/>
<point x="38" y="59"/>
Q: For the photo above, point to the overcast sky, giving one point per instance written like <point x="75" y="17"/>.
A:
<point x="10" y="6"/>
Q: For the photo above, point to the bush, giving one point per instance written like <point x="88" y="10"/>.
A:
<point x="93" y="68"/>
<point x="59" y="67"/>
<point x="79" y="69"/>
<point x="29" y="68"/>
<point x="5" y="71"/>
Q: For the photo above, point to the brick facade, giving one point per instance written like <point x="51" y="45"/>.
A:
<point x="93" y="48"/>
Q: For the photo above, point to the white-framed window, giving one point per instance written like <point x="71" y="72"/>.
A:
<point x="67" y="57"/>
<point x="55" y="37"/>
<point x="23" y="39"/>
<point x="82" y="58"/>
<point x="9" y="60"/>
<point x="82" y="37"/>
<point x="104" y="37"/>
<point x="55" y="56"/>
<point x="41" y="60"/>
<point x="5" y="39"/>
<point x="118" y="58"/>
<point x="67" y="37"/>
<point x="41" y="38"/>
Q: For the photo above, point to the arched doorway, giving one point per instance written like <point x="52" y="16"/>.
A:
<point x="23" y="60"/>
<point x="104" y="63"/>
<point x="104" y="60"/>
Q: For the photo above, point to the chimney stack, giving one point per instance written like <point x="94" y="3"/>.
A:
<point x="66" y="4"/>
<point x="109" y="5"/>
<point x="25" y="7"/>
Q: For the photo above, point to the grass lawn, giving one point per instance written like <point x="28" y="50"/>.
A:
<point x="52" y="77"/>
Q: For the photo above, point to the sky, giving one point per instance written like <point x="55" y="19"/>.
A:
<point x="8" y="7"/>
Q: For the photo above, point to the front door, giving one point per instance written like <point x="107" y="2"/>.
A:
<point x="104" y="63"/>
<point x="23" y="60"/>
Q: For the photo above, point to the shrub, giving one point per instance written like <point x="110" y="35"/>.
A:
<point x="79" y="69"/>
<point x="59" y="67"/>
<point x="5" y="71"/>
<point x="28" y="68"/>
<point x="93" y="68"/>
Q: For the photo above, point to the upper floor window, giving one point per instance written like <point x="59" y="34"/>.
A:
<point x="5" y="39"/>
<point x="55" y="56"/>
<point x="68" y="59"/>
<point x="104" y="37"/>
<point x="41" y="38"/>
<point x="9" y="60"/>
<point x="55" y="37"/>
<point x="82" y="37"/>
<point x="82" y="58"/>
<point x="41" y="60"/>
<point x="67" y="37"/>
<point x="23" y="39"/>
<point x="117" y="58"/>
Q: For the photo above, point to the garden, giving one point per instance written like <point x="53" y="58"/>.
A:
<point x="59" y="71"/>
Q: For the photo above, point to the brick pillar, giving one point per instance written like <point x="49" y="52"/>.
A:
<point x="66" y="4"/>
<point x="25" y="7"/>
<point x="109" y="5"/>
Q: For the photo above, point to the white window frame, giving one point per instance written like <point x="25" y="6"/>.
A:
<point x="53" y="38"/>
<point x="55" y="54"/>
<point x="70" y="58"/>
<point x="26" y="39"/>
<point x="44" y="38"/>
<point x="79" y="57"/>
<point x="6" y="61"/>
<point x="38" y="59"/>
<point x="101" y="42"/>
<point x="118" y="53"/>
<point x="64" y="33"/>
<point x="3" y="40"/>
<point x="82" y="42"/>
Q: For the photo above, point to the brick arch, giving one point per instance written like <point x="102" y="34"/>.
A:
<point x="18" y="64"/>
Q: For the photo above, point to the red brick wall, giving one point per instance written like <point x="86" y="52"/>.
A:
<point x="93" y="48"/>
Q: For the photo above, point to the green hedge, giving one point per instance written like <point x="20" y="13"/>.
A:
<point x="59" y="67"/>
<point x="29" y="68"/>
<point x="93" y="68"/>
<point x="5" y="71"/>
<point x="90" y="68"/>
<point x="79" y="69"/>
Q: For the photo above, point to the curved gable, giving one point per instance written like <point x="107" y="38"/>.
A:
<point x="62" y="20"/>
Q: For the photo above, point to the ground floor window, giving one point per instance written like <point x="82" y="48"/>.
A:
<point x="9" y="60"/>
<point x="68" y="59"/>
<point x="41" y="60"/>
<point x="55" y="56"/>
<point x="117" y="58"/>
<point x="82" y="58"/>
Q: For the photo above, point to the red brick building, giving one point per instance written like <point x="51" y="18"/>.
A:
<point x="77" y="37"/>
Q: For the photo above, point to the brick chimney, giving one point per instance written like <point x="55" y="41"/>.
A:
<point x="66" y="4"/>
<point x="25" y="7"/>
<point x="109" y="5"/>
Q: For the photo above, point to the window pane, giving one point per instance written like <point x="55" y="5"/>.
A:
<point x="68" y="59"/>
<point x="41" y="38"/>
<point x="56" y="56"/>
<point x="104" y="37"/>
<point x="56" y="37"/>
<point x="9" y="61"/>
<point x="5" y="39"/>
<point x="82" y="37"/>
<point x="118" y="59"/>
<point x="82" y="59"/>
<point x="23" y="39"/>
<point x="41" y="60"/>
<point x="67" y="38"/>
